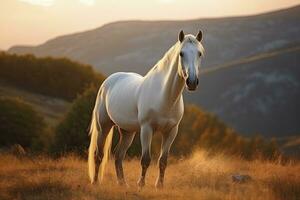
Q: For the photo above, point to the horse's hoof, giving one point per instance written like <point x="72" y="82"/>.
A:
<point x="159" y="185"/>
<point x="141" y="183"/>
<point x="94" y="182"/>
<point x="123" y="183"/>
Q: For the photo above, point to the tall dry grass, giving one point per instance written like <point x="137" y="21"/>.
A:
<point x="198" y="177"/>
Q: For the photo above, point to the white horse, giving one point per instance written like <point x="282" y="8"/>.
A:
<point x="147" y="104"/>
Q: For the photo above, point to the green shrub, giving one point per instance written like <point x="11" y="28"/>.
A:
<point x="199" y="129"/>
<point x="71" y="134"/>
<point x="19" y="124"/>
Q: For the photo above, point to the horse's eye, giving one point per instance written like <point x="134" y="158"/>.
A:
<point x="181" y="54"/>
<point x="199" y="53"/>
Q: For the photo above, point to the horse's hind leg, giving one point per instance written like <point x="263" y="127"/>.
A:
<point x="106" y="124"/>
<point x="125" y="141"/>
<point x="100" y="143"/>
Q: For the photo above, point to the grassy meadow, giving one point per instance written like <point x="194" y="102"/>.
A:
<point x="197" y="177"/>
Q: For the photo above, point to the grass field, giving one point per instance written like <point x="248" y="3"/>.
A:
<point x="198" y="177"/>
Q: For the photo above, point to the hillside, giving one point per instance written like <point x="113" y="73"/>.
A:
<point x="56" y="77"/>
<point x="52" y="109"/>
<point x="137" y="45"/>
<point x="250" y="77"/>
<point x="258" y="94"/>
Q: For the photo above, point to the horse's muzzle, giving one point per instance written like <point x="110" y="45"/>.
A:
<point x="192" y="84"/>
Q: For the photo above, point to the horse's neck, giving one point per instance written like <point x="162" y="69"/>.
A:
<point x="171" y="83"/>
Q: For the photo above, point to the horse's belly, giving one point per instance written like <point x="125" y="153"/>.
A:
<point x="123" y="115"/>
<point x="121" y="104"/>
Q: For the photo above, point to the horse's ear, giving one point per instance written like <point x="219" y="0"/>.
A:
<point x="181" y="36"/>
<point x="199" y="36"/>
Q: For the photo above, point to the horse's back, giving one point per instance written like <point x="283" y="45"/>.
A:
<point x="121" y="96"/>
<point x="118" y="78"/>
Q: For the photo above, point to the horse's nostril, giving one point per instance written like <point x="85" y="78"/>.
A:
<point x="187" y="81"/>
<point x="197" y="81"/>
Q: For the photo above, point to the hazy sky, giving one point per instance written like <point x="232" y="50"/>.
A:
<point x="35" y="21"/>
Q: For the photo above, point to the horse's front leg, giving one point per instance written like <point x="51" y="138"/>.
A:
<point x="167" y="140"/>
<point x="146" y="138"/>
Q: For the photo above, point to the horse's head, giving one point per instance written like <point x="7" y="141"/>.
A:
<point x="190" y="55"/>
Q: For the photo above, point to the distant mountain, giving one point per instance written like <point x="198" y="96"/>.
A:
<point x="258" y="94"/>
<point x="138" y="45"/>
<point x="251" y="74"/>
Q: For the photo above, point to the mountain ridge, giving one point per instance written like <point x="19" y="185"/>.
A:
<point x="295" y="8"/>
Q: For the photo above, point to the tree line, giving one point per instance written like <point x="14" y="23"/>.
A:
<point x="56" y="77"/>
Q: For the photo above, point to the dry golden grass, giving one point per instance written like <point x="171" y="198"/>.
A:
<point x="199" y="177"/>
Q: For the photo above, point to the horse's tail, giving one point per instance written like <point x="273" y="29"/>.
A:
<point x="95" y="129"/>
<point x="106" y="152"/>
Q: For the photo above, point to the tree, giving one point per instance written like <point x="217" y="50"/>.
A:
<point x="71" y="134"/>
<point x="19" y="123"/>
<point x="57" y="77"/>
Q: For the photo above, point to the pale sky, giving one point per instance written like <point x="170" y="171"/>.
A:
<point x="35" y="21"/>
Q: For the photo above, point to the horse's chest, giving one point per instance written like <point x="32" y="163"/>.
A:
<point x="162" y="119"/>
<point x="163" y="123"/>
